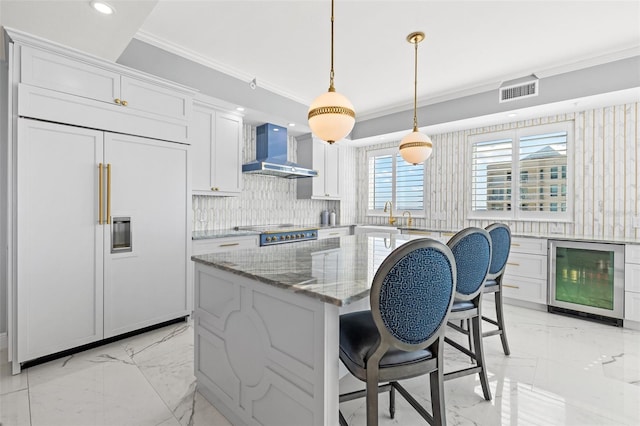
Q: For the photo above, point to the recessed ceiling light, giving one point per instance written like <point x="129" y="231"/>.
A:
<point x="103" y="7"/>
<point x="292" y="124"/>
<point x="240" y="109"/>
<point x="512" y="114"/>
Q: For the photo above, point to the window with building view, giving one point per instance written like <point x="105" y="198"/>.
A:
<point x="539" y="156"/>
<point x="393" y="179"/>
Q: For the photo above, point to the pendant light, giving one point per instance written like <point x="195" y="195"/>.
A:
<point x="416" y="147"/>
<point x="331" y="115"/>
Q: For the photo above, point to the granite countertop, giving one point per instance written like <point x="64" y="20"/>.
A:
<point x="336" y="270"/>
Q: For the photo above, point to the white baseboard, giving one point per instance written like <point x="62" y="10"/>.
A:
<point x="3" y="341"/>
<point x="633" y="325"/>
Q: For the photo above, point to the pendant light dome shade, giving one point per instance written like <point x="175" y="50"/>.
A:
<point x="416" y="147"/>
<point x="331" y="116"/>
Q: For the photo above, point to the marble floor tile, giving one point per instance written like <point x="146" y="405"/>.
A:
<point x="158" y="342"/>
<point x="14" y="408"/>
<point x="562" y="371"/>
<point x="172" y="376"/>
<point x="8" y="382"/>
<point x="112" y="353"/>
<point x="105" y="394"/>
<point x="170" y="422"/>
<point x="204" y="414"/>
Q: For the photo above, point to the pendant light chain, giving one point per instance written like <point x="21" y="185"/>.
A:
<point x="415" y="88"/>
<point x="331" y="74"/>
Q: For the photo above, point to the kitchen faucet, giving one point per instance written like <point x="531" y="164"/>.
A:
<point x="392" y="219"/>
<point x="410" y="221"/>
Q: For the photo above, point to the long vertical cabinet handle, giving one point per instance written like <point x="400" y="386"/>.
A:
<point x="108" y="194"/>
<point x="100" y="194"/>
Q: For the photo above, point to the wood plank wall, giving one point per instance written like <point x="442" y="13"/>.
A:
<point x="606" y="167"/>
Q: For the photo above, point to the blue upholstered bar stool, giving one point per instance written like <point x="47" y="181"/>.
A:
<point x="471" y="249"/>
<point x="402" y="335"/>
<point x="500" y="247"/>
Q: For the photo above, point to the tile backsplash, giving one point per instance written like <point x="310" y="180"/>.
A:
<point x="267" y="200"/>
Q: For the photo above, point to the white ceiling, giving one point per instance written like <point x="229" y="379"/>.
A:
<point x="470" y="45"/>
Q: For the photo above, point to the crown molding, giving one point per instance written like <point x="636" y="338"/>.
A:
<point x="201" y="59"/>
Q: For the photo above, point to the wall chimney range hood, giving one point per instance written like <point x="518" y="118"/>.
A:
<point x="271" y="155"/>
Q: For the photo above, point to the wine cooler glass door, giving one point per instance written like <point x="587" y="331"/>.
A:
<point x="587" y="277"/>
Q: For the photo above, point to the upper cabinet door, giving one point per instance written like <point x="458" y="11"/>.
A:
<point x="227" y="155"/>
<point x="52" y="71"/>
<point x="201" y="136"/>
<point x="332" y="171"/>
<point x="324" y="158"/>
<point x="318" y="163"/>
<point x="84" y="91"/>
<point x="145" y="96"/>
<point x="216" y="146"/>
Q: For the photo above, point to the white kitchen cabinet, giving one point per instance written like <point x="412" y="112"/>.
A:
<point x="71" y="288"/>
<point x="333" y="232"/>
<point x="74" y="275"/>
<point x="147" y="285"/>
<point x="325" y="158"/>
<point x="216" y="143"/>
<point x="69" y="87"/>
<point x="218" y="245"/>
<point x="60" y="250"/>
<point x="525" y="276"/>
<point x="632" y="282"/>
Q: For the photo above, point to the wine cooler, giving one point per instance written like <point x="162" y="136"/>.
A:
<point x="587" y="279"/>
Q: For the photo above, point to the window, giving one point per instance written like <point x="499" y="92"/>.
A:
<point x="491" y="174"/>
<point x="538" y="155"/>
<point x="393" y="179"/>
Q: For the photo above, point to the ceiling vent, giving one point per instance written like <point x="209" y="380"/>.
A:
<point x="519" y="88"/>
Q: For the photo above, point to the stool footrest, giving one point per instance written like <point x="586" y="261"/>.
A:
<point x="461" y="373"/>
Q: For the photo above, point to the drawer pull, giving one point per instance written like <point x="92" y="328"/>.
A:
<point x="510" y="286"/>
<point x="229" y="245"/>
<point x="447" y="234"/>
<point x="117" y="101"/>
<point x="513" y="264"/>
<point x="515" y="245"/>
<point x="334" y="233"/>
<point x="125" y="103"/>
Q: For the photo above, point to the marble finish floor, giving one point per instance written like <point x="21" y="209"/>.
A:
<point x="562" y="371"/>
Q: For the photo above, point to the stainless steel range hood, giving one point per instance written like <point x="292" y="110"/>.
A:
<point x="271" y="155"/>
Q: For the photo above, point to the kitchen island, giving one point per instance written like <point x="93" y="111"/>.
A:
<point x="267" y="325"/>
